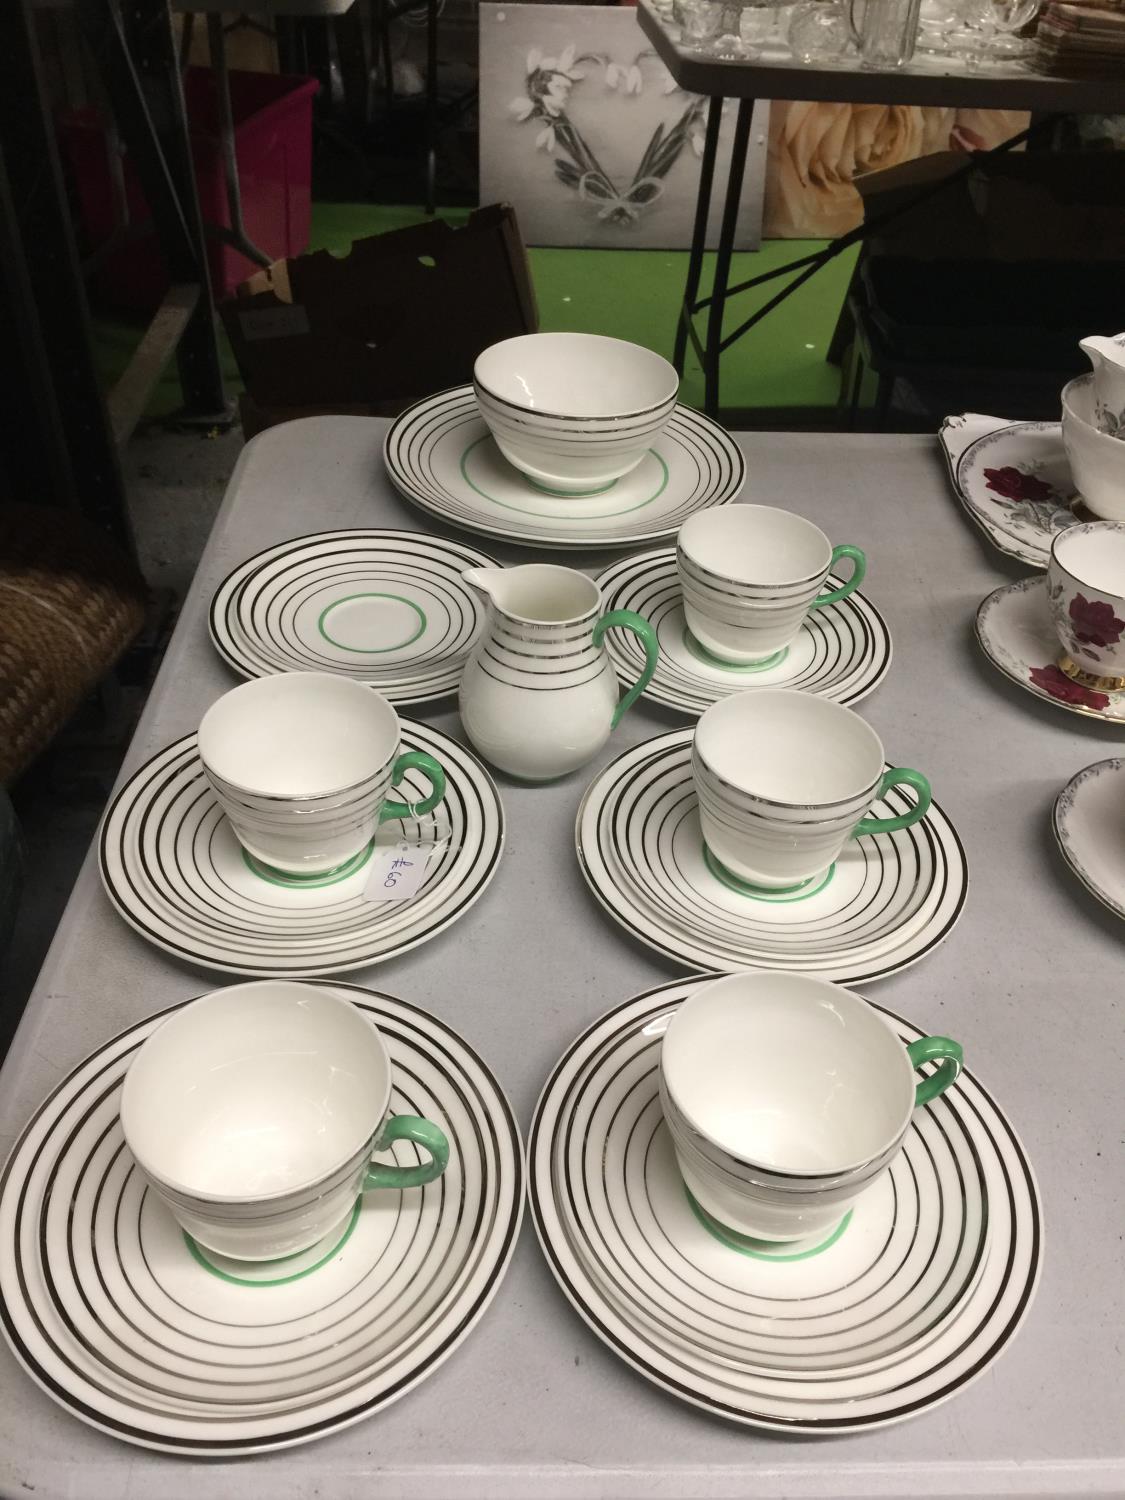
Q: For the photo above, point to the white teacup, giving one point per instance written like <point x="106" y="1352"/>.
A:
<point x="750" y="574"/>
<point x="302" y="764"/>
<point x="1097" y="460"/>
<point x="1086" y="591"/>
<point x="254" y="1112"/>
<point x="574" y="412"/>
<point x="784" y="779"/>
<point x="786" y="1097"/>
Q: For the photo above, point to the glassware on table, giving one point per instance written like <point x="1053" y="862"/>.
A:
<point x="818" y="31"/>
<point x="884" y="30"/>
<point x="701" y="21"/>
<point x="756" y="25"/>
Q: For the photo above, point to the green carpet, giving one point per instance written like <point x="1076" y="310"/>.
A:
<point x="632" y="294"/>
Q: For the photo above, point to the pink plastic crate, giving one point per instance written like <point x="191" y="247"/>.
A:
<point x="273" y="144"/>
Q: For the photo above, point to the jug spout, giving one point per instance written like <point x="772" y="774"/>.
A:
<point x="488" y="580"/>
<point x="1103" y="352"/>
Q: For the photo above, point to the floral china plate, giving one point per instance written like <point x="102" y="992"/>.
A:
<point x="1089" y="825"/>
<point x="1013" y="479"/>
<point x="1016" y="634"/>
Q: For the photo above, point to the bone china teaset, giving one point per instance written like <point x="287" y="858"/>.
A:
<point x="265" y="1214"/>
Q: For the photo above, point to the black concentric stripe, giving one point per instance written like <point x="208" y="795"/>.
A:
<point x="134" y="906"/>
<point x="610" y="896"/>
<point x="398" y="544"/>
<point x="414" y="434"/>
<point x="789" y="933"/>
<point x="201" y="892"/>
<point x="279" y="595"/>
<point x="158" y="1382"/>
<point x="100" y="1351"/>
<point x="98" y="1419"/>
<point x="906" y="1407"/>
<point x="850" y="657"/>
<point x="593" y="1074"/>
<point x="852" y="922"/>
<point x="640" y="1293"/>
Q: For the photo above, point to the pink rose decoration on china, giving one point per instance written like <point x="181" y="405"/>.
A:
<point x="1094" y="621"/>
<point x="1062" y="687"/>
<point x="1011" y="483"/>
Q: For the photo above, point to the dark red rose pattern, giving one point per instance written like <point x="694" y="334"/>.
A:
<point x="1094" y="622"/>
<point x="1060" y="686"/>
<point x="1011" y="483"/>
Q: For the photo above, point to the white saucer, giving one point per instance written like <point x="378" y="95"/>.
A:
<point x="843" y="651"/>
<point x="440" y="456"/>
<point x="889" y="899"/>
<point x="172" y="867"/>
<point x="131" y="1327"/>
<point x="387" y="608"/>
<point x="898" y="1309"/>
<point x="1089" y="824"/>
<point x="1014" y="481"/>
<point x="1015" y="632"/>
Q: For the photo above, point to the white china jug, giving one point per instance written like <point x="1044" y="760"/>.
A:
<point x="1107" y="356"/>
<point x="539" y="696"/>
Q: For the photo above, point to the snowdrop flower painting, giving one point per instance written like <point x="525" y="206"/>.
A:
<point x="585" y="131"/>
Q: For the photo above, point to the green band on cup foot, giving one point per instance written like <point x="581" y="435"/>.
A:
<point x="757" y="1249"/>
<point x="293" y="882"/>
<point x="336" y="1239"/>
<point x="546" y="489"/>
<point x="701" y="653"/>
<point x="799" y="892"/>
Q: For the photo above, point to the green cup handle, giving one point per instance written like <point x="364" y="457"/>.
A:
<point x="418" y="760"/>
<point x="628" y="619"/>
<point x="422" y="1133"/>
<point x="899" y="776"/>
<point x="929" y="1049"/>
<point x="859" y="568"/>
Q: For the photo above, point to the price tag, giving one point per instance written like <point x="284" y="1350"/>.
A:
<point x="397" y="870"/>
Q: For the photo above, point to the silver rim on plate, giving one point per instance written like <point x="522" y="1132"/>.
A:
<point x="757" y="1340"/>
<point x="387" y="608"/>
<point x="172" y="867"/>
<point x="440" y="457"/>
<point x="134" y="1330"/>
<point x="1088" y="820"/>
<point x="888" y="900"/>
<point x="843" y="650"/>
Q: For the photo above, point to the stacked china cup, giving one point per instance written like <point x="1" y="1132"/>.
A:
<point x="302" y="764"/>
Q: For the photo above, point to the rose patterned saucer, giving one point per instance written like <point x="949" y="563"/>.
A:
<point x="1089" y="825"/>
<point x="1015" y="631"/>
<point x="1013" y="479"/>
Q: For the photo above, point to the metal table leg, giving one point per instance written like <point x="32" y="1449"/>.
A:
<point x="236" y="236"/>
<point x="684" y="325"/>
<point x="431" y="103"/>
<point x="714" y="345"/>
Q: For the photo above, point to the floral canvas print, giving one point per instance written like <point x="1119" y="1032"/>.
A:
<point x="584" y="130"/>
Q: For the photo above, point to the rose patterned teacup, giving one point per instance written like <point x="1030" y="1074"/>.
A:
<point x="1086" y="590"/>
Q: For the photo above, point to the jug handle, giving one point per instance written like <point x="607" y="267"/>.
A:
<point x="849" y="17"/>
<point x="628" y="619"/>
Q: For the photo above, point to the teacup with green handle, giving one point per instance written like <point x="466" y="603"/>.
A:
<point x="785" y="1097"/>
<point x="784" y="779"/>
<point x="750" y="575"/>
<point x="254" y="1113"/>
<point x="303" y="765"/>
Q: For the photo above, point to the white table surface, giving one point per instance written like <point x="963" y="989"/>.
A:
<point x="1032" y="981"/>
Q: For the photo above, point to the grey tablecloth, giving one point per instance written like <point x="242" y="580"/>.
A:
<point x="1031" y="980"/>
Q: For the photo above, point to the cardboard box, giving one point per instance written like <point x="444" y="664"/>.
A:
<point x="1026" y="205"/>
<point x="402" y="315"/>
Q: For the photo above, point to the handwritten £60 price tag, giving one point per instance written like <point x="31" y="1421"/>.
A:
<point x="397" y="870"/>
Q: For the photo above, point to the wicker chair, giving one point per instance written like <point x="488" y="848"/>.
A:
<point x="70" y="603"/>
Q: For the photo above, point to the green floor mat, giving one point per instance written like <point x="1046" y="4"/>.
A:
<point x="631" y="294"/>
